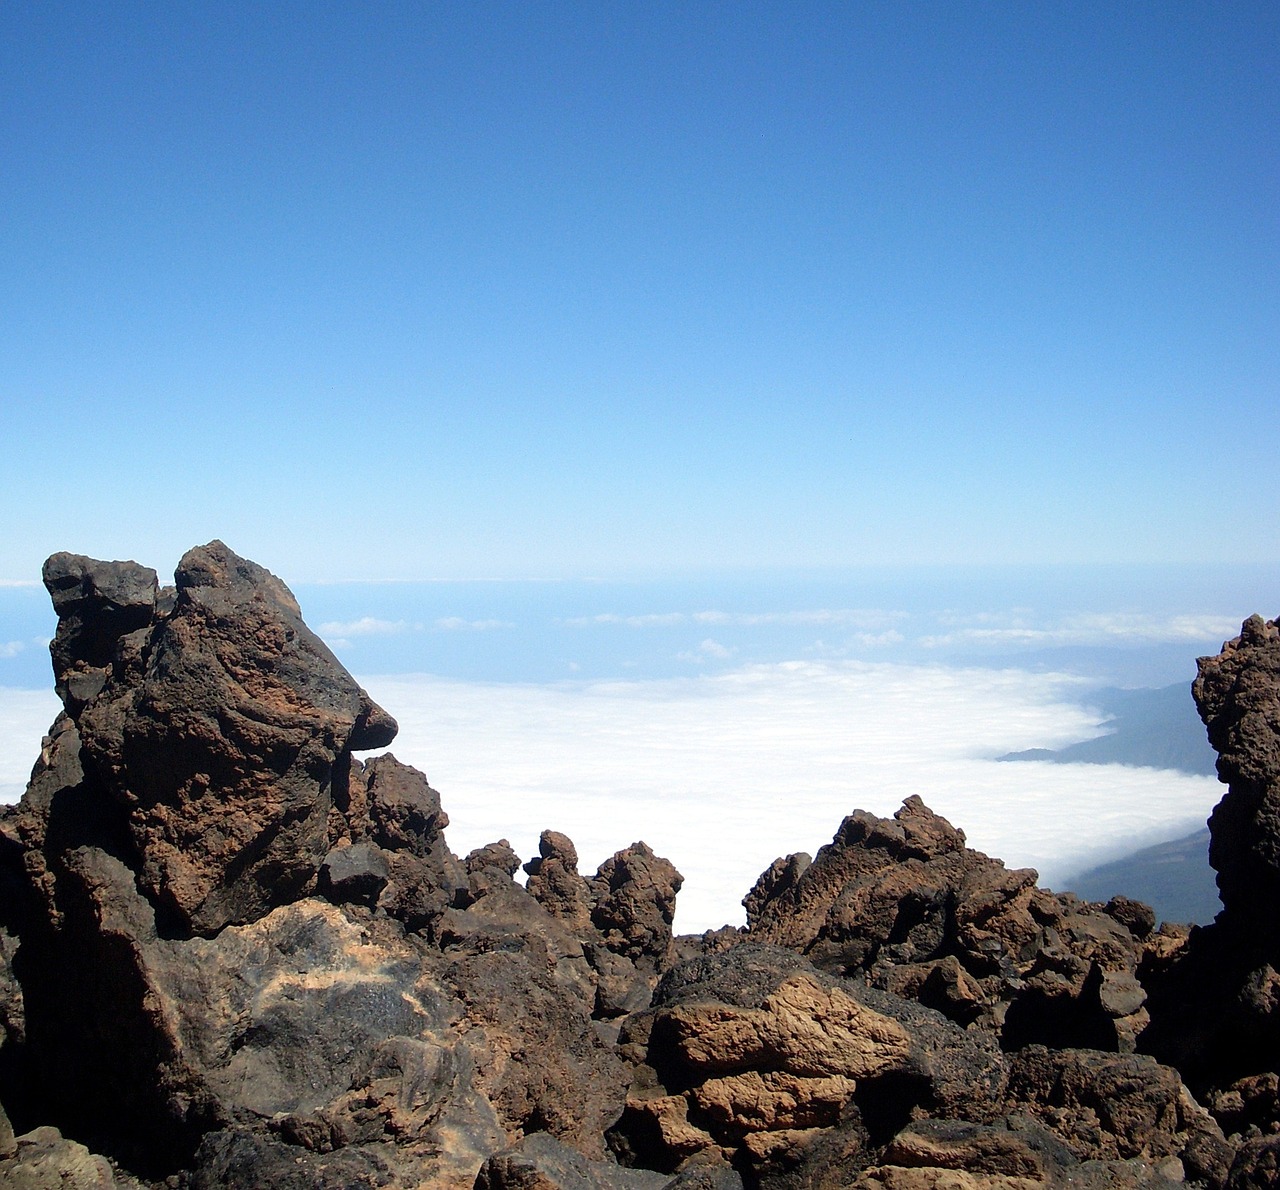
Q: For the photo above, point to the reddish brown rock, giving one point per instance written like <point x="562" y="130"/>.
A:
<point x="554" y="881"/>
<point x="183" y="995"/>
<point x="1008" y="1155"/>
<point x="1215" y="1001"/>
<point x="1238" y="695"/>
<point x="748" y="1053"/>
<point x="634" y="903"/>
<point x="1115" y="1106"/>
<point x="232" y="956"/>
<point x="905" y="904"/>
<point x="220" y="727"/>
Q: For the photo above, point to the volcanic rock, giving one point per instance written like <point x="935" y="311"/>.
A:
<point x="232" y="955"/>
<point x="554" y="881"/>
<point x="220" y="728"/>
<point x="906" y="905"/>
<point x="225" y="945"/>
<point x="1013" y="1154"/>
<point x="540" y="1162"/>
<point x="1238" y="695"/>
<point x="750" y="1053"/>
<point x="1215" y="1003"/>
<point x="43" y="1159"/>
<point x="634" y="904"/>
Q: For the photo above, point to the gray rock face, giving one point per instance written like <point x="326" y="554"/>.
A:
<point x="97" y="604"/>
<point x="540" y="1162"/>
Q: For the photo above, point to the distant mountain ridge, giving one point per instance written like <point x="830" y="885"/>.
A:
<point x="1150" y="728"/>
<point x="1174" y="878"/>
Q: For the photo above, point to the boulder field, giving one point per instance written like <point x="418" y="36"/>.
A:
<point x="234" y="955"/>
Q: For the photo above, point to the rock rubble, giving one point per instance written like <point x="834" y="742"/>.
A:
<point x="232" y="954"/>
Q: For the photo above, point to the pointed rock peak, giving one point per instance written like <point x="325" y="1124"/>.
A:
<point x="216" y="567"/>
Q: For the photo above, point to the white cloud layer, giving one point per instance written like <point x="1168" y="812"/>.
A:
<point x="1101" y="629"/>
<point x="25" y="716"/>
<point x="722" y="774"/>
<point x="839" y="617"/>
<point x="708" y="650"/>
<point x="365" y="626"/>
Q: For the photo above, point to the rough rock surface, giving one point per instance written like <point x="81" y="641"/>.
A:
<point x="1238" y="695"/>
<point x="1216" y="1001"/>
<point x="220" y="727"/>
<point x="233" y="956"/>
<point x="749" y="1054"/>
<point x="43" y="1159"/>
<point x="228" y="947"/>
<point x="905" y="904"/>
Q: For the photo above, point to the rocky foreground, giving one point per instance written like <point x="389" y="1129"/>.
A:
<point x="231" y="955"/>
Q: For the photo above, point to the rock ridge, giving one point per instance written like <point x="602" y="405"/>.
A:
<point x="234" y="954"/>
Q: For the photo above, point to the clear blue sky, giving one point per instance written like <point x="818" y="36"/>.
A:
<point x="476" y="290"/>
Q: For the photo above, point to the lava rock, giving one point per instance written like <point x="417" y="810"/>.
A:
<point x="748" y="1052"/>
<point x="903" y="903"/>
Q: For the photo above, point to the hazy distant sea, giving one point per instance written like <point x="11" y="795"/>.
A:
<point x="730" y="719"/>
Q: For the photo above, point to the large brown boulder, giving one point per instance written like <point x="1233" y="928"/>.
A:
<point x="633" y="903"/>
<point x="223" y="731"/>
<point x="1012" y="1154"/>
<point x="751" y="1055"/>
<point x="1117" y="1107"/>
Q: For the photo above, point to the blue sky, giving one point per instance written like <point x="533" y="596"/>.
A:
<point x="560" y="290"/>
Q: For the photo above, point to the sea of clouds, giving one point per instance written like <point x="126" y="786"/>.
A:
<point x="722" y="774"/>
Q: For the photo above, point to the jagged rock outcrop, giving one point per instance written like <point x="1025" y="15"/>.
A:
<point x="905" y="904"/>
<point x="1238" y="696"/>
<point x="221" y="726"/>
<point x="232" y="955"/>
<point x="1216" y="1002"/>
<point x="230" y="948"/>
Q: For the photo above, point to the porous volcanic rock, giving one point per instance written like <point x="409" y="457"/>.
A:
<point x="227" y="948"/>
<point x="1013" y="1154"/>
<point x="750" y="1055"/>
<point x="633" y="904"/>
<point x="221" y="727"/>
<point x="1238" y="696"/>
<point x="905" y="904"/>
